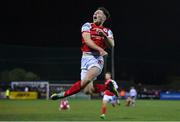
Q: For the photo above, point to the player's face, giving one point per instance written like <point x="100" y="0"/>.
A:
<point x="107" y="76"/>
<point x="99" y="17"/>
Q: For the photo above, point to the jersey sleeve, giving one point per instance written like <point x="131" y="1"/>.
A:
<point x="110" y="34"/>
<point x="115" y="84"/>
<point x="86" y="27"/>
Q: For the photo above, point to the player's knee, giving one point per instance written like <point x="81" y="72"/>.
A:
<point x="88" y="79"/>
<point x="89" y="89"/>
<point x="86" y="90"/>
<point x="85" y="82"/>
<point x="85" y="86"/>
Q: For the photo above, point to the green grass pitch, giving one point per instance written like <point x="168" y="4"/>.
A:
<point x="85" y="110"/>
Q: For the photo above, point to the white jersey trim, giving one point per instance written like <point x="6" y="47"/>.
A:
<point x="86" y="27"/>
<point x="110" y="34"/>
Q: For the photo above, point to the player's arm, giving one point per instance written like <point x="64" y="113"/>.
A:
<point x="109" y="40"/>
<point x="89" y="42"/>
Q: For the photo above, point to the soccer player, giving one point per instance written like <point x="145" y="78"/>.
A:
<point x="132" y="97"/>
<point x="95" y="38"/>
<point x="109" y="97"/>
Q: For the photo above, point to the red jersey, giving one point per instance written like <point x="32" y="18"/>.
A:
<point x="108" y="92"/>
<point x="99" y="40"/>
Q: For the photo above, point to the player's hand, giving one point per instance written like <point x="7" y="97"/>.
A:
<point x="103" y="52"/>
<point x="101" y="32"/>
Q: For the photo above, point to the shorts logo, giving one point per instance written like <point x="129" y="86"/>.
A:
<point x="100" y="62"/>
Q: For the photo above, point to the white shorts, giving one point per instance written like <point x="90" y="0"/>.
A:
<point x="110" y="99"/>
<point x="88" y="61"/>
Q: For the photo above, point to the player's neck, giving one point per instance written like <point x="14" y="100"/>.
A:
<point x="108" y="79"/>
<point x="98" y="24"/>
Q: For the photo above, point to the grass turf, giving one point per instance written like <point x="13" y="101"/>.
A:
<point x="85" y="110"/>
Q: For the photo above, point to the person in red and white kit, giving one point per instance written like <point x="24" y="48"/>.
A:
<point x="109" y="97"/>
<point x="95" y="39"/>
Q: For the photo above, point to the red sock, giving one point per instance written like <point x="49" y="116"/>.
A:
<point x="103" y="110"/>
<point x="100" y="87"/>
<point x="74" y="89"/>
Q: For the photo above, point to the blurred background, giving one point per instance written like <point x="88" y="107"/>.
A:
<point x="40" y="42"/>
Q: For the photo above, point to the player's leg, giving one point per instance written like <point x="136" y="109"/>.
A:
<point x="133" y="101"/>
<point x="97" y="62"/>
<point x="88" y="88"/>
<point x="104" y="102"/>
<point x="118" y="102"/>
<point x="73" y="90"/>
<point x="113" y="104"/>
<point x="93" y="67"/>
<point x="103" y="115"/>
<point x="114" y="101"/>
<point x="79" y="85"/>
<point x="92" y="88"/>
<point x="128" y="101"/>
